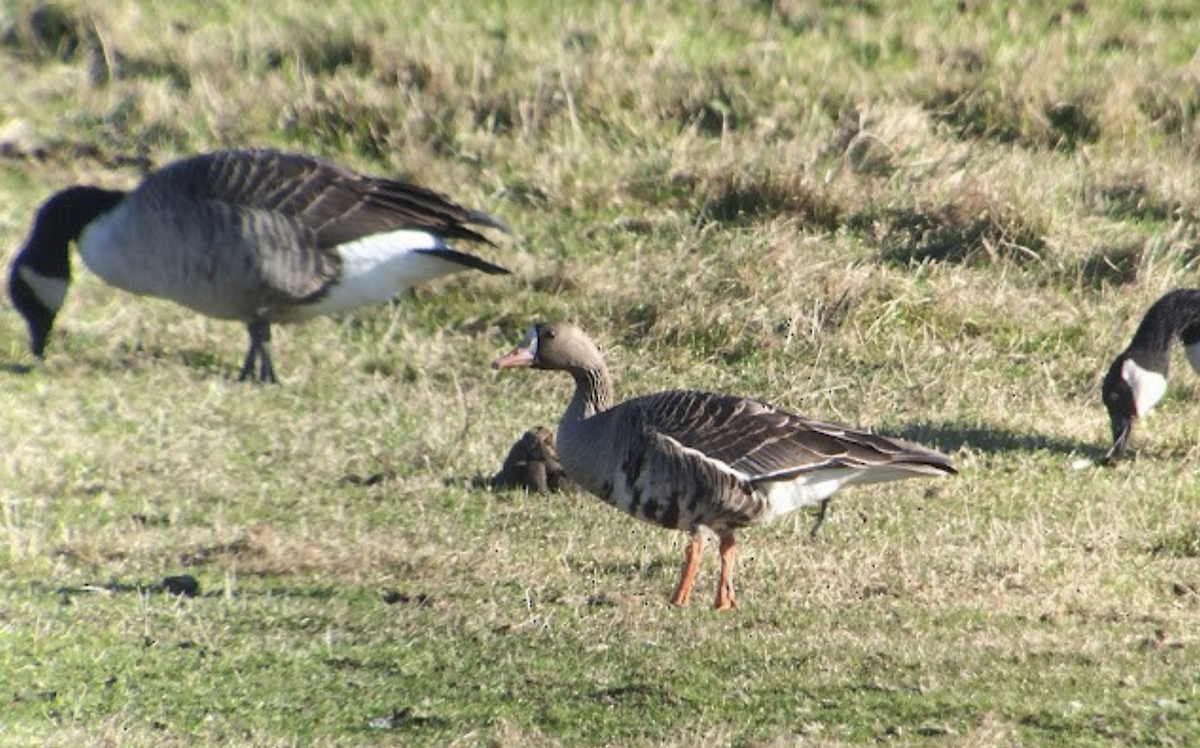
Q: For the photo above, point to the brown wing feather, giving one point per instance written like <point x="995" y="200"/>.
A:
<point x="761" y="440"/>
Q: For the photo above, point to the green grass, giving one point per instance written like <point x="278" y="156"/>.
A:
<point x="939" y="220"/>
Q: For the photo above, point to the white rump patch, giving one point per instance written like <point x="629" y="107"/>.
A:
<point x="806" y="489"/>
<point x="812" y="488"/>
<point x="376" y="268"/>
<point x="1193" y="356"/>
<point x="50" y="291"/>
<point x="1148" y="386"/>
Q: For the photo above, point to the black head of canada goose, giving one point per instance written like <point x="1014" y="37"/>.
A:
<point x="1137" y="379"/>
<point x="690" y="460"/>
<point x="253" y="235"/>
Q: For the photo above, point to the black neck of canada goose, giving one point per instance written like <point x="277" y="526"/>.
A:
<point x="41" y="272"/>
<point x="1176" y="314"/>
<point x="60" y="221"/>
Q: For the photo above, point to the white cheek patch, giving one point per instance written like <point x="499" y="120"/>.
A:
<point x="1148" y="386"/>
<point x="1193" y="356"/>
<point x="50" y="291"/>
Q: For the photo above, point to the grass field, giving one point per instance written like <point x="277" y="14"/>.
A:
<point x="938" y="220"/>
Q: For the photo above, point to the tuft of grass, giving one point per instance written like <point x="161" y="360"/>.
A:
<point x="339" y="119"/>
<point x="1117" y="265"/>
<point x="47" y="31"/>
<point x="1133" y="199"/>
<point x="971" y="229"/>
<point x="990" y="113"/>
<point x="740" y="199"/>
<point x="977" y="113"/>
<point x="1182" y="543"/>
<point x="708" y="105"/>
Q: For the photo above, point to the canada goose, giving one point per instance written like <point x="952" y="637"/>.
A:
<point x="252" y="235"/>
<point x="1137" y="379"/>
<point x="689" y="460"/>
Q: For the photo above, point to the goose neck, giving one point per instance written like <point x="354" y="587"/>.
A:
<point x="60" y="221"/>
<point x="1175" y="315"/>
<point x="593" y="393"/>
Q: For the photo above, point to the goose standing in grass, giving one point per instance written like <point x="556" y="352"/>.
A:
<point x="1137" y="379"/>
<point x="254" y="235"/>
<point x="690" y="460"/>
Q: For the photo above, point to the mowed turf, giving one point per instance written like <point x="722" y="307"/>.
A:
<point x="937" y="220"/>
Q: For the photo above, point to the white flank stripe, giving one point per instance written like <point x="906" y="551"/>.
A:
<point x="718" y="464"/>
<point x="50" y="291"/>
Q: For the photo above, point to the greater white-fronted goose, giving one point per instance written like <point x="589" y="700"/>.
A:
<point x="254" y="235"/>
<point x="1137" y="379"/>
<point x="690" y="460"/>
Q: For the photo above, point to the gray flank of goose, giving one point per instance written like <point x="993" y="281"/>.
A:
<point x="1137" y="378"/>
<point x="690" y="460"/>
<point x="254" y="235"/>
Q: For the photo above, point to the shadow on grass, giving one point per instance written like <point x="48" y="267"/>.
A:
<point x="174" y="586"/>
<point x="15" y="368"/>
<point x="187" y="586"/>
<point x="952" y="436"/>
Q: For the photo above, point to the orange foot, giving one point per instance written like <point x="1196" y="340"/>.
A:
<point x="725" y="583"/>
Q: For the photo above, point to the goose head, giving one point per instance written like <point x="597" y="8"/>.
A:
<point x="38" y="298"/>
<point x="554" y="346"/>
<point x="1129" y="392"/>
<point x="41" y="273"/>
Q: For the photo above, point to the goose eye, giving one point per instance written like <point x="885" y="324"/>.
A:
<point x="548" y="334"/>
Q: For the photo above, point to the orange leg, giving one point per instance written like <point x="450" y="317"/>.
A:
<point x="683" y="592"/>
<point x="725" y="583"/>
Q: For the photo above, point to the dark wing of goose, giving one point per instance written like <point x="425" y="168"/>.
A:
<point x="299" y="207"/>
<point x="760" y="440"/>
<point x="336" y="204"/>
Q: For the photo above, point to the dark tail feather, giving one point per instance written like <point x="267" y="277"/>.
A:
<point x="943" y="464"/>
<point x="923" y="456"/>
<point x="479" y="218"/>
<point x="466" y="260"/>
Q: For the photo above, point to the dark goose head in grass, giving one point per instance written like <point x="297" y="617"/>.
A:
<point x="691" y="460"/>
<point x="258" y="236"/>
<point x="1137" y="379"/>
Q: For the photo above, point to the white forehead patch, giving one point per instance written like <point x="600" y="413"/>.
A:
<point x="50" y="291"/>
<point x="1148" y="386"/>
